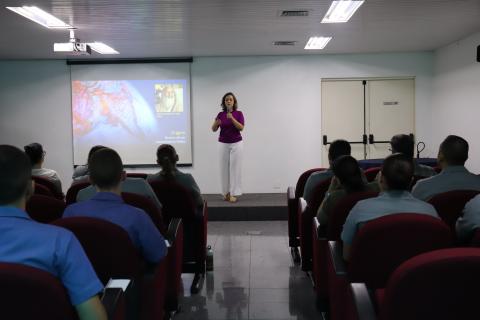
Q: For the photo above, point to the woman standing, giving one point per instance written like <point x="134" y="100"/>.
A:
<point x="231" y="122"/>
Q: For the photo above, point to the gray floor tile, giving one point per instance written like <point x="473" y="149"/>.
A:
<point x="253" y="276"/>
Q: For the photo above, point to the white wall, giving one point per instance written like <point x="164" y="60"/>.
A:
<point x="456" y="95"/>
<point x="280" y="97"/>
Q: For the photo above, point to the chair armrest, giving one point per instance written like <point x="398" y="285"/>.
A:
<point x="113" y="301"/>
<point x="336" y="253"/>
<point x="363" y="302"/>
<point x="321" y="230"/>
<point x="290" y="193"/>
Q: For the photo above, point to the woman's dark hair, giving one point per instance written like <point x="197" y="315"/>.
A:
<point x="167" y="158"/>
<point x="235" y="105"/>
<point x="347" y="170"/>
<point x="34" y="152"/>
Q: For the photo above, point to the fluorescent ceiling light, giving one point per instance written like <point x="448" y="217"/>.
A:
<point x="102" y="48"/>
<point x="341" y="11"/>
<point x="317" y="43"/>
<point x="41" y="17"/>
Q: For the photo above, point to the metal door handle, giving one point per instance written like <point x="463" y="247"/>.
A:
<point x="364" y="140"/>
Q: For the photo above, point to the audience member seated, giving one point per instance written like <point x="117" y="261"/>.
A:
<point x="337" y="148"/>
<point x="397" y="173"/>
<point x="403" y="143"/>
<point x="132" y="185"/>
<point x="106" y="174"/>
<point x="349" y="176"/>
<point x="167" y="158"/>
<point x="452" y="155"/>
<point x="43" y="246"/>
<point x="37" y="156"/>
<point x="469" y="221"/>
<point x="81" y="172"/>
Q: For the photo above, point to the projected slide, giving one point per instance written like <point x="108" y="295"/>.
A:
<point x="126" y="114"/>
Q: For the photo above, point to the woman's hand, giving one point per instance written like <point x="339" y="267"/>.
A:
<point x="229" y="115"/>
<point x="216" y="124"/>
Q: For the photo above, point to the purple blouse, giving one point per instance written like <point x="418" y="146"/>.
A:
<point x="228" y="132"/>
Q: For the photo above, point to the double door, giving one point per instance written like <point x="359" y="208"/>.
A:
<point x="367" y="113"/>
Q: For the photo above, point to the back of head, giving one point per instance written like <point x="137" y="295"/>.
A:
<point x="35" y="152"/>
<point x="397" y="170"/>
<point x="93" y="150"/>
<point x="15" y="174"/>
<point x="106" y="168"/>
<point x="454" y="150"/>
<point x="339" y="148"/>
<point x="403" y="143"/>
<point x="167" y="158"/>
<point x="347" y="170"/>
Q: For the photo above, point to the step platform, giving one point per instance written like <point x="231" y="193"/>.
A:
<point x="249" y="207"/>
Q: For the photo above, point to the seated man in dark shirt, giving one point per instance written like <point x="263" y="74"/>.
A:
<point x="43" y="246"/>
<point x="106" y="174"/>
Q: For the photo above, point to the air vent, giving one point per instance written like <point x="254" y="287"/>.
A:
<point x="294" y="13"/>
<point x="284" y="43"/>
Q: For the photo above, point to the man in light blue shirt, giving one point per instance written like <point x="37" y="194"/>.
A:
<point x="50" y="248"/>
<point x="452" y="155"/>
<point x="106" y="174"/>
<point x="337" y="148"/>
<point x="397" y="173"/>
<point x="470" y="220"/>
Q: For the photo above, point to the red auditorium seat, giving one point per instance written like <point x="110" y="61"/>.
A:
<point x="377" y="250"/>
<point x="293" y="196"/>
<point x="440" y="285"/>
<point x="42" y="190"/>
<point x="72" y="192"/>
<point x="29" y="293"/>
<point x="371" y="173"/>
<point x="147" y="205"/>
<point x="113" y="255"/>
<point x="306" y="224"/>
<point x="44" y="209"/>
<point x="50" y="185"/>
<point x="449" y="205"/>
<point x="331" y="232"/>
<point x="177" y="202"/>
<point x="175" y="252"/>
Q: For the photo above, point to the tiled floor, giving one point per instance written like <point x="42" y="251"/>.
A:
<point x="253" y="278"/>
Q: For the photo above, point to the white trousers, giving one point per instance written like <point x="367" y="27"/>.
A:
<point x="231" y="167"/>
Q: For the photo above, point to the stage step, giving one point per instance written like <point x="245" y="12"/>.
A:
<point x="249" y="207"/>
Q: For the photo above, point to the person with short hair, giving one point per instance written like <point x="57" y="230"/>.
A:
<point x="452" y="155"/>
<point x="43" y="246"/>
<point x="350" y="180"/>
<point x="397" y="174"/>
<point x="469" y="221"/>
<point x="81" y="172"/>
<point x="36" y="153"/>
<point x="404" y="143"/>
<point x="106" y="174"/>
<point x="337" y="149"/>
<point x="167" y="158"/>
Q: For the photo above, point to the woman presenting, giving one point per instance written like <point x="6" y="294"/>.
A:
<point x="231" y="122"/>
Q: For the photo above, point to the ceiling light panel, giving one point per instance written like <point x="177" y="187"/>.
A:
<point x="41" y="17"/>
<point x="341" y="11"/>
<point x="315" y="43"/>
<point x="102" y="48"/>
